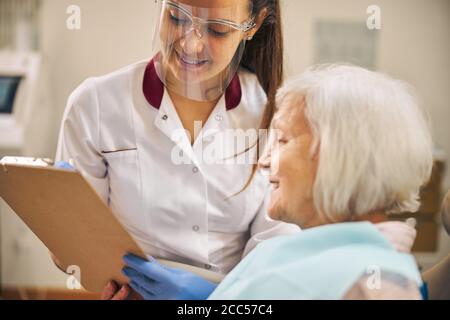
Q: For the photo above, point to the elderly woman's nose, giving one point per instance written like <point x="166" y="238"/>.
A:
<point x="264" y="161"/>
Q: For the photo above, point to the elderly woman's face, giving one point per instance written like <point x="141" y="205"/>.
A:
<point x="292" y="166"/>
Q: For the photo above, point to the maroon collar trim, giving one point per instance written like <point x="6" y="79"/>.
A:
<point x="153" y="89"/>
<point x="233" y="94"/>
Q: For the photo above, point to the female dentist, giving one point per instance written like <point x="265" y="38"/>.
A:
<point x="146" y="137"/>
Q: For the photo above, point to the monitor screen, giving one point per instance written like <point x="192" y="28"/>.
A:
<point x="8" y="91"/>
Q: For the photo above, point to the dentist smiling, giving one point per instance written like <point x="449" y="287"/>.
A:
<point x="217" y="63"/>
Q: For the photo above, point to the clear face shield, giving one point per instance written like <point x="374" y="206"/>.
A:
<point x="198" y="49"/>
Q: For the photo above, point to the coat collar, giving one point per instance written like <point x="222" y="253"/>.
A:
<point x="153" y="89"/>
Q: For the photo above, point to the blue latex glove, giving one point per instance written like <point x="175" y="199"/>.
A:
<point x="154" y="281"/>
<point x="64" y="165"/>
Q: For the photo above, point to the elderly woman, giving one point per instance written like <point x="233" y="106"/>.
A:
<point x="350" y="144"/>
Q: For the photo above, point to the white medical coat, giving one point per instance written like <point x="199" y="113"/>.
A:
<point x="119" y="129"/>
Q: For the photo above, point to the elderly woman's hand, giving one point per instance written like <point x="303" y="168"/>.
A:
<point x="399" y="234"/>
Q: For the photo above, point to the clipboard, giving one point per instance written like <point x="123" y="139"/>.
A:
<point x="69" y="217"/>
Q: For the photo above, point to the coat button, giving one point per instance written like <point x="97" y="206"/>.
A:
<point x="165" y="117"/>
<point x="219" y="117"/>
<point x="195" y="170"/>
<point x="196" y="228"/>
<point x="208" y="267"/>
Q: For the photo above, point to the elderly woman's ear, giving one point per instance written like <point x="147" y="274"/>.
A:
<point x="446" y="212"/>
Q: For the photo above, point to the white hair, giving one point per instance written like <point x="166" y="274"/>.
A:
<point x="374" y="143"/>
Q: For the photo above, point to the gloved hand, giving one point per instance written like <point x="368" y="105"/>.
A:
<point x="154" y="281"/>
<point x="64" y="165"/>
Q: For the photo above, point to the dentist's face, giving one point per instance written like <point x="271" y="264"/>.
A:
<point x="292" y="167"/>
<point x="195" y="52"/>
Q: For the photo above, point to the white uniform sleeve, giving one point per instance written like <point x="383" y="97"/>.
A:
<point x="263" y="227"/>
<point x="79" y="137"/>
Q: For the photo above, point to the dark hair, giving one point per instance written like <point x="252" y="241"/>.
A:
<point x="264" y="57"/>
<point x="264" y="54"/>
